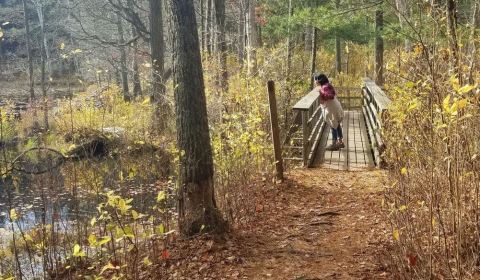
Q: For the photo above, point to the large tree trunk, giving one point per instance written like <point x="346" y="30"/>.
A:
<point x="379" y="47"/>
<point x="403" y="16"/>
<point x="123" y="59"/>
<point x="157" y="48"/>
<point x="313" y="56"/>
<point x="197" y="209"/>
<point x="137" y="86"/>
<point x="222" y="44"/>
<point x="252" y="38"/>
<point x="452" y="32"/>
<point x="31" y="80"/>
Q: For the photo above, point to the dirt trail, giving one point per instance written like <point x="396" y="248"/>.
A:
<point x="324" y="225"/>
<point x="319" y="224"/>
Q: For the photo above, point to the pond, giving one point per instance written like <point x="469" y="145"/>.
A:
<point x="66" y="197"/>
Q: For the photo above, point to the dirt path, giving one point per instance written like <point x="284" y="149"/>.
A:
<point x="325" y="225"/>
<point x="319" y="224"/>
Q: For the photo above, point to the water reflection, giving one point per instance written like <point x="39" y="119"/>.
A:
<point x="70" y="193"/>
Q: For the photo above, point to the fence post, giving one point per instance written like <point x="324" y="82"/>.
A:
<point x="305" y="137"/>
<point x="275" y="130"/>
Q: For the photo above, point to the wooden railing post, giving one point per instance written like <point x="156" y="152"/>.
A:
<point x="305" y="137"/>
<point x="275" y="130"/>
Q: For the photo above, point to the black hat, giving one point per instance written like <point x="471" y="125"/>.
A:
<point x="321" y="78"/>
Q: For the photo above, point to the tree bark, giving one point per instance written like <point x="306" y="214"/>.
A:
<point x="123" y="59"/>
<point x="157" y="49"/>
<point x="222" y="44"/>
<point x="473" y="40"/>
<point x="31" y="80"/>
<point x="452" y="32"/>
<point x="308" y="39"/>
<point x="43" y="55"/>
<point x="338" y="46"/>
<point x="379" y="48"/>
<point x="208" y="26"/>
<point x="137" y="86"/>
<point x="197" y="208"/>
<point x="202" y="29"/>
<point x="241" y="32"/>
<point x="313" y="56"/>
<point x="289" y="42"/>
<point x="252" y="38"/>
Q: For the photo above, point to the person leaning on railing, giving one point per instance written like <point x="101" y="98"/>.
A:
<point x="332" y="110"/>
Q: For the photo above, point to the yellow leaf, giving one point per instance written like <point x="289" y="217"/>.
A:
<point x="93" y="221"/>
<point x="161" y="196"/>
<point x="13" y="215"/>
<point x="146" y="101"/>
<point x="160" y="229"/>
<point x="462" y="103"/>
<point x="135" y="215"/>
<point x="62" y="46"/>
<point x="77" y="251"/>
<point x="403" y="171"/>
<point x="403" y="208"/>
<point x="466" y="88"/>
<point x="104" y="240"/>
<point x="446" y="104"/>
<point x="455" y="83"/>
<point x="107" y="267"/>
<point x="92" y="240"/>
<point x="396" y="234"/>
<point x="434" y="222"/>
<point x="147" y="261"/>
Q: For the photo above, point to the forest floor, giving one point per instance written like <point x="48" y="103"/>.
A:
<point x="318" y="224"/>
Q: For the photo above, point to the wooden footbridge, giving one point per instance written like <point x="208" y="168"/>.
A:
<point x="308" y="137"/>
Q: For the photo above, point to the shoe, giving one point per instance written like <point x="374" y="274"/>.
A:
<point x="341" y="145"/>
<point x="333" y="147"/>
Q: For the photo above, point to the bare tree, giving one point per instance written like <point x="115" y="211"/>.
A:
<point x="338" y="46"/>
<point x="241" y="32"/>
<point x="157" y="48"/>
<point x="313" y="56"/>
<point x="379" y="47"/>
<point x="31" y="78"/>
<point x="473" y="39"/>
<point x="289" y="41"/>
<point x="123" y="58"/>
<point x="403" y="16"/>
<point x="137" y="87"/>
<point x="252" y="38"/>
<point x="222" y="44"/>
<point x="451" y="14"/>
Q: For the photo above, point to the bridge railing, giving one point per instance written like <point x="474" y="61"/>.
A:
<point x="375" y="104"/>
<point x="309" y="120"/>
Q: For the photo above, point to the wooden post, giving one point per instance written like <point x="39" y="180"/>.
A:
<point x="275" y="130"/>
<point x="305" y="137"/>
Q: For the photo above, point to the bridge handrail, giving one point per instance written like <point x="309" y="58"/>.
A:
<point x="375" y="104"/>
<point x="310" y="118"/>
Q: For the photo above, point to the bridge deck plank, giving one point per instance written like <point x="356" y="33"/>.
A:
<point x="357" y="153"/>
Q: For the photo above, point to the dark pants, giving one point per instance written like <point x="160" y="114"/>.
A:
<point x="337" y="133"/>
